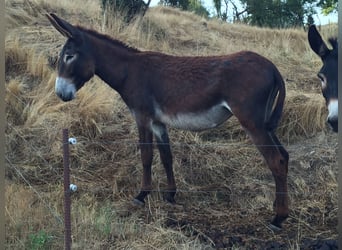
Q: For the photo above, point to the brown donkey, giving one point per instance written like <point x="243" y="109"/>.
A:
<point x="192" y="93"/>
<point x="328" y="73"/>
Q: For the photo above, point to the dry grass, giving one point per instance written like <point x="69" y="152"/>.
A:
<point x="226" y="192"/>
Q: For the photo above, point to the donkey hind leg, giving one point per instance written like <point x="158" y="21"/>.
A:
<point x="277" y="160"/>
<point x="281" y="204"/>
<point x="286" y="157"/>
<point x="163" y="143"/>
<point x="146" y="150"/>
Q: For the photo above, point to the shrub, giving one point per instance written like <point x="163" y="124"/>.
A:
<point x="128" y="8"/>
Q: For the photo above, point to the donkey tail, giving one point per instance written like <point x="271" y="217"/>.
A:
<point x="275" y="102"/>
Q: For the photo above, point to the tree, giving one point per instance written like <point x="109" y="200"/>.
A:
<point x="189" y="5"/>
<point x="222" y="8"/>
<point x="128" y="8"/>
<point x="217" y="5"/>
<point x="197" y="7"/>
<point x="328" y="6"/>
<point x="277" y="13"/>
<point x="183" y="4"/>
<point x="261" y="12"/>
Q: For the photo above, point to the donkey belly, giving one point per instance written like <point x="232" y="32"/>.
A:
<point x="199" y="120"/>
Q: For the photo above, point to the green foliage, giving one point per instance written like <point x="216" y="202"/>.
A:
<point x="328" y="6"/>
<point x="221" y="11"/>
<point x="278" y="13"/>
<point x="40" y="240"/>
<point x="197" y="7"/>
<point x="189" y="5"/>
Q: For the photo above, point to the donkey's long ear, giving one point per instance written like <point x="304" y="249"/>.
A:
<point x="316" y="42"/>
<point x="65" y="28"/>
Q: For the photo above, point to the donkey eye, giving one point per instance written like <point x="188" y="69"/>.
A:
<point x="68" y="58"/>
<point x="320" y="76"/>
<point x="323" y="80"/>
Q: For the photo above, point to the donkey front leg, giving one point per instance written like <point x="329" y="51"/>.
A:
<point x="146" y="149"/>
<point x="163" y="143"/>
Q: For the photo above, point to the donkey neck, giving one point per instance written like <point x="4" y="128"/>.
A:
<point x="111" y="58"/>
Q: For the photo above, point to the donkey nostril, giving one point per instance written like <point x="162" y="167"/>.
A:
<point x="60" y="95"/>
<point x="65" y="96"/>
<point x="332" y="119"/>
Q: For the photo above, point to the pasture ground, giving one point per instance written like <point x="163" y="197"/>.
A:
<point x="225" y="190"/>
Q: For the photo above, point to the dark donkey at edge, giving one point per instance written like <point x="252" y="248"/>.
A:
<point x="191" y="93"/>
<point x="328" y="73"/>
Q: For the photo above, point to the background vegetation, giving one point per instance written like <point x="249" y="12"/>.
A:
<point x="263" y="13"/>
<point x="225" y="191"/>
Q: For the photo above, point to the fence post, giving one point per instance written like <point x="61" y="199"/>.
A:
<point x="67" y="200"/>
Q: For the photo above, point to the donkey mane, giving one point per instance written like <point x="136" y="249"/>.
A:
<point x="107" y="38"/>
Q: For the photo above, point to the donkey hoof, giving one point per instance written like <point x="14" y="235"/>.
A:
<point x="138" y="202"/>
<point x="169" y="198"/>
<point x="275" y="228"/>
<point x="276" y="223"/>
<point x="171" y="201"/>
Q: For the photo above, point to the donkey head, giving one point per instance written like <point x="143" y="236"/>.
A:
<point x="75" y="64"/>
<point x="328" y="73"/>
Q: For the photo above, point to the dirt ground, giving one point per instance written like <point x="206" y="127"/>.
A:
<point x="224" y="206"/>
<point x="223" y="219"/>
<point x="252" y="231"/>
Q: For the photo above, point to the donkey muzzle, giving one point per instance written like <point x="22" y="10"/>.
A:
<point x="65" y="89"/>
